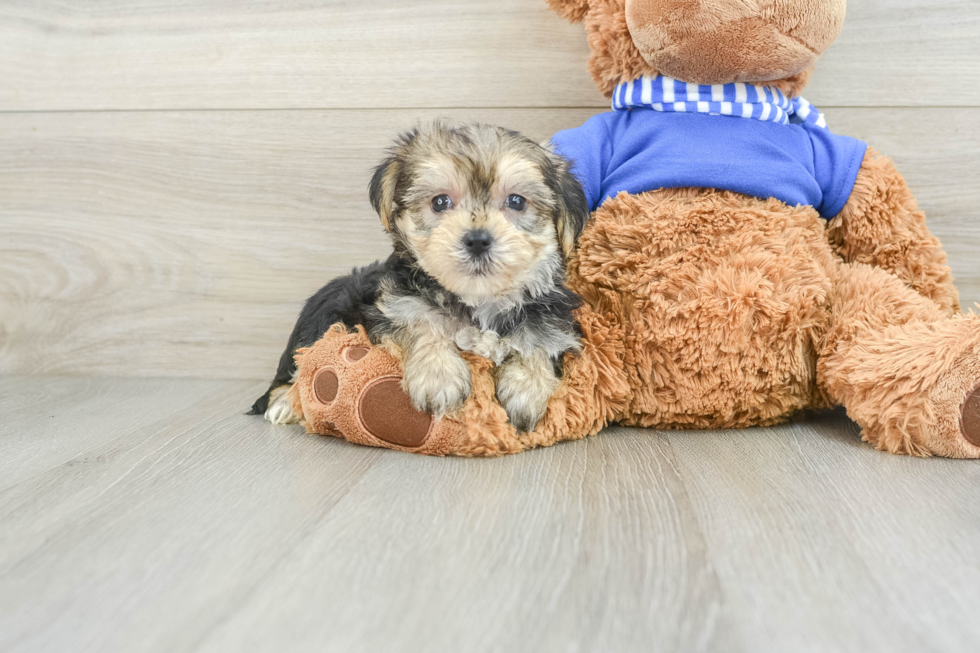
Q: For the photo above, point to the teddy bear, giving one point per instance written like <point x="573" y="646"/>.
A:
<point x="742" y="262"/>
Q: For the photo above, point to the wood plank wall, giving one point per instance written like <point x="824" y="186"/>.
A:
<point x="177" y="176"/>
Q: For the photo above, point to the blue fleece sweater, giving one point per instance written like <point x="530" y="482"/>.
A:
<point x="643" y="149"/>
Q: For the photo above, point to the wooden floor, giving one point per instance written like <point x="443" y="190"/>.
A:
<point x="152" y="515"/>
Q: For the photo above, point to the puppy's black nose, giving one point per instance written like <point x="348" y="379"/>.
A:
<point x="477" y="241"/>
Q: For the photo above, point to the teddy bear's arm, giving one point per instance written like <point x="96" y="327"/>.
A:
<point x="882" y="225"/>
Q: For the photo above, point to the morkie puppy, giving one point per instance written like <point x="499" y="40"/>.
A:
<point x="482" y="221"/>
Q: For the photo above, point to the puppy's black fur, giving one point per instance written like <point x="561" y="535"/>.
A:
<point x="345" y="299"/>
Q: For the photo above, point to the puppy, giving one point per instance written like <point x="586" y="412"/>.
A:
<point x="482" y="221"/>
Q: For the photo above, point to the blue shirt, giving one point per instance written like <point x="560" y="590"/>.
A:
<point x="643" y="149"/>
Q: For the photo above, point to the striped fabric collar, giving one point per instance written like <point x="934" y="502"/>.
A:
<point x="764" y="103"/>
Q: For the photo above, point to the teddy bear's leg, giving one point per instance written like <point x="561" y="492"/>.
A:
<point x="349" y="388"/>
<point x="881" y="225"/>
<point x="906" y="371"/>
<point x="345" y="386"/>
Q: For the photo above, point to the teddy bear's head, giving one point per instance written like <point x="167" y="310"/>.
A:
<point x="775" y="42"/>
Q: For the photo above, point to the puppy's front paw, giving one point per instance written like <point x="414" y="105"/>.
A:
<point x="438" y="385"/>
<point x="524" y="387"/>
<point x="523" y="411"/>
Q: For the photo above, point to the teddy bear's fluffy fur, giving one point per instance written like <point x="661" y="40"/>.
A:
<point x="709" y="309"/>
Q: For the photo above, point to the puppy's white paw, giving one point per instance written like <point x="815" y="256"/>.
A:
<point x="280" y="410"/>
<point x="438" y="384"/>
<point x="524" y="387"/>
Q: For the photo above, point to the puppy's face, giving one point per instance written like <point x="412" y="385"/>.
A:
<point x="483" y="210"/>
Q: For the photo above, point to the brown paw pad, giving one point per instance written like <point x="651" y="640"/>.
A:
<point x="970" y="417"/>
<point x="325" y="385"/>
<point x="387" y="413"/>
<point x="354" y="354"/>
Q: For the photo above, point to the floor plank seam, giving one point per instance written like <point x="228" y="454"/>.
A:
<point x="307" y="532"/>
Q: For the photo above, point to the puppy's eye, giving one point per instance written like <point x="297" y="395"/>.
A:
<point x="516" y="203"/>
<point x="441" y="203"/>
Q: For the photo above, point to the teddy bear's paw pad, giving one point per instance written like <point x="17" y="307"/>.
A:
<point x="387" y="413"/>
<point x="354" y="354"/>
<point x="325" y="385"/>
<point x="970" y="417"/>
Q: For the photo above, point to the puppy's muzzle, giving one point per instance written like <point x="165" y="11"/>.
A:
<point x="477" y="242"/>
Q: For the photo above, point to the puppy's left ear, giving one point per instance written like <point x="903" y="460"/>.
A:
<point x="572" y="206"/>
<point x="382" y="189"/>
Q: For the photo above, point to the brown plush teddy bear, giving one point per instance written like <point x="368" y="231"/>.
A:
<point x="742" y="262"/>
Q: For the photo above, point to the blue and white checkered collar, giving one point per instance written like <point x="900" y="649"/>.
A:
<point x="764" y="103"/>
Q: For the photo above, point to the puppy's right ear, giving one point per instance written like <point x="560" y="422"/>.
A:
<point x="382" y="190"/>
<point x="573" y="10"/>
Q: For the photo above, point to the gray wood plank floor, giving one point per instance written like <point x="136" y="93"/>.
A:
<point x="151" y="515"/>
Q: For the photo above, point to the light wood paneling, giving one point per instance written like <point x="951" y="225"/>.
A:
<point x="183" y="244"/>
<point x="910" y="53"/>
<point x="185" y="54"/>
<point x="201" y="529"/>
<point x="174" y="243"/>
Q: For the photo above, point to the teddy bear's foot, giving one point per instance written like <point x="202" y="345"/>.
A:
<point x="904" y="369"/>
<point x="970" y="417"/>
<point x="348" y="388"/>
<point x="946" y="421"/>
<point x="386" y="412"/>
<point x="955" y="400"/>
<point x="915" y="389"/>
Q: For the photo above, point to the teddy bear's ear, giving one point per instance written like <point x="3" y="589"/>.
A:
<point x="573" y="10"/>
